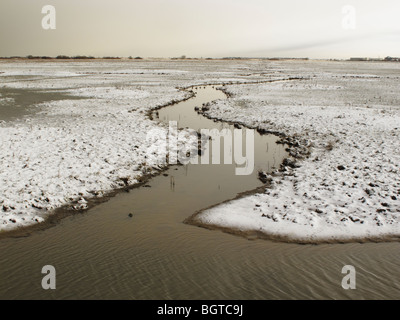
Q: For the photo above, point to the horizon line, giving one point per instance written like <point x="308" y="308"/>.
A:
<point x="91" y="57"/>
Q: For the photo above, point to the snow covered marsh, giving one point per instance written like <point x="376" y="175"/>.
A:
<point x="342" y="182"/>
<point x="341" y="123"/>
<point x="71" y="151"/>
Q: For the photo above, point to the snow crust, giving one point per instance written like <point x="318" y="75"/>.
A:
<point x="72" y="150"/>
<point x="344" y="131"/>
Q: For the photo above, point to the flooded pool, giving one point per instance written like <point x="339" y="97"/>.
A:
<point x="18" y="103"/>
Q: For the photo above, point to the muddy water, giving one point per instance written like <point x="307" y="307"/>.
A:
<point x="104" y="254"/>
<point x="18" y="103"/>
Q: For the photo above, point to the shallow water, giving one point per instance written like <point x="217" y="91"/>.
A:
<point x="104" y="254"/>
<point x="18" y="103"/>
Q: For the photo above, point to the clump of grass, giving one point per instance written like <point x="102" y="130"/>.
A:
<point x="330" y="145"/>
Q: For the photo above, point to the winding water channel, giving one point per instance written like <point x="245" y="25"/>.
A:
<point x="105" y="254"/>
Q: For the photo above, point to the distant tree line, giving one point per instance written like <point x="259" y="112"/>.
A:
<point x="392" y="59"/>
<point x="65" y="57"/>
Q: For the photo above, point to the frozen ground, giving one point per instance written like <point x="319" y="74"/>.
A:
<point x="72" y="150"/>
<point x="343" y="179"/>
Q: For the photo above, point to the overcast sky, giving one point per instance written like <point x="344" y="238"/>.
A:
<point x="202" y="28"/>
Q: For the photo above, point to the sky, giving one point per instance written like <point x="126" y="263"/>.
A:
<point x="203" y="28"/>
